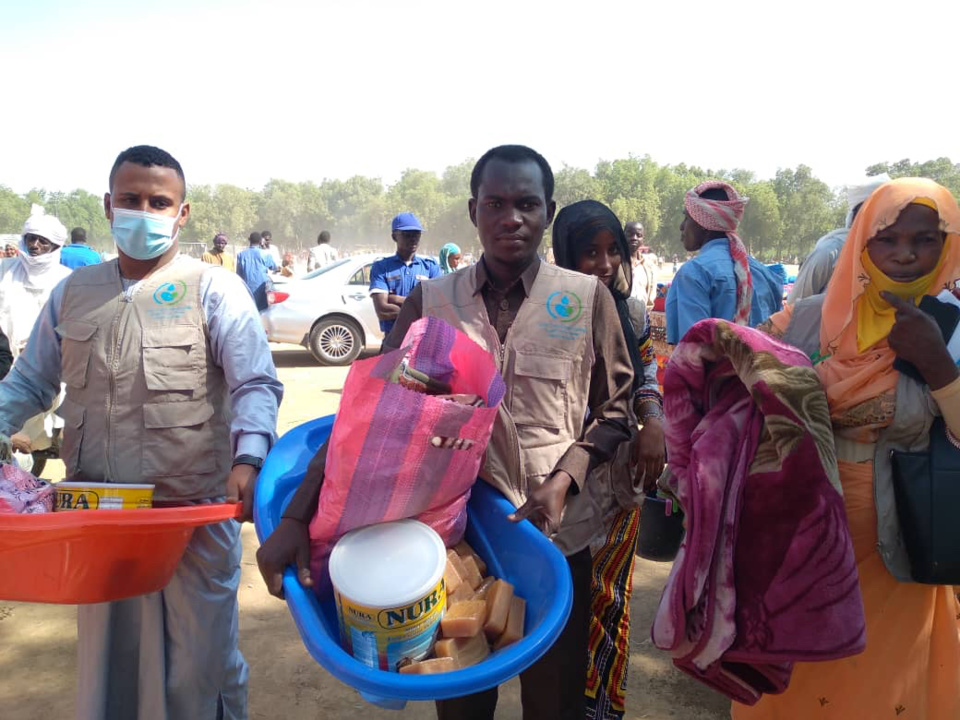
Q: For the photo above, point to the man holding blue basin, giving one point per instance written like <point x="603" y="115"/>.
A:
<point x="555" y="334"/>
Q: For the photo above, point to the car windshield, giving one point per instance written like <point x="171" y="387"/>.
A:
<point x="326" y="268"/>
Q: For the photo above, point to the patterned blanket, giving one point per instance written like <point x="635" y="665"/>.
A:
<point x="766" y="575"/>
<point x="21" y="492"/>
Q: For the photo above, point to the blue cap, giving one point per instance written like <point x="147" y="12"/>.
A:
<point x="406" y="221"/>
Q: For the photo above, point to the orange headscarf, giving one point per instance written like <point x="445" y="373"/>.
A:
<point x="849" y="376"/>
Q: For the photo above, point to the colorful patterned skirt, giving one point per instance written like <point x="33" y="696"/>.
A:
<point x="658" y="334"/>
<point x="609" y="647"/>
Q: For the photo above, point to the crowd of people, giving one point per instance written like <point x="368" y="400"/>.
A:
<point x="160" y="370"/>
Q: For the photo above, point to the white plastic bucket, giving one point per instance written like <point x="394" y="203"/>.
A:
<point x="388" y="584"/>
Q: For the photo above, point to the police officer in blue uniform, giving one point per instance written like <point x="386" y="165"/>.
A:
<point x="393" y="278"/>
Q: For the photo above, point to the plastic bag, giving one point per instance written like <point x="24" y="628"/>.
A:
<point x="396" y="452"/>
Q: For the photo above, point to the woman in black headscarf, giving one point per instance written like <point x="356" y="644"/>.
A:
<point x="589" y="238"/>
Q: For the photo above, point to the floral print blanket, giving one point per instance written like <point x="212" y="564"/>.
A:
<point x="766" y="575"/>
<point x="21" y="492"/>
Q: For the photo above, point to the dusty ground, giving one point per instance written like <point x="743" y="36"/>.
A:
<point x="37" y="642"/>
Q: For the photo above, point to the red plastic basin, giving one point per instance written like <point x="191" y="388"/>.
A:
<point x="91" y="556"/>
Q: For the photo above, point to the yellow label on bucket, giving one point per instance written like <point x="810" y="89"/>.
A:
<point x="383" y="637"/>
<point x="103" y="496"/>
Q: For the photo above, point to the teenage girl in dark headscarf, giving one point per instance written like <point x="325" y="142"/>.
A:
<point x="589" y="238"/>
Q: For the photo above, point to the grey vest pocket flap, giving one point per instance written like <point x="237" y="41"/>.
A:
<point x="543" y="367"/>
<point x="176" y="414"/>
<point x="171" y="336"/>
<point x="76" y="330"/>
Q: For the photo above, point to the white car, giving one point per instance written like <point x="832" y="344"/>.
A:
<point x="328" y="311"/>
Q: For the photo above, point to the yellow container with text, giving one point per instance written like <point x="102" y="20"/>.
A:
<point x="103" y="496"/>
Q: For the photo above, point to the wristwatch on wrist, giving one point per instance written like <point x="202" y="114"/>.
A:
<point x="653" y="410"/>
<point x="251" y="460"/>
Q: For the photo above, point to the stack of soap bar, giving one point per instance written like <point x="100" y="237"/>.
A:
<point x="473" y="576"/>
<point x="454" y="575"/>
<point x="464" y="550"/>
<point x="462" y="594"/>
<point x="481" y="592"/>
<point x="481" y="612"/>
<point x="514" y="629"/>
<point x="465" y="619"/>
<point x="429" y="667"/>
<point x="464" y="651"/>
<point x="498" y="609"/>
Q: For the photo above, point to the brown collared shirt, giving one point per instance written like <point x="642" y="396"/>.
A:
<point x="610" y="382"/>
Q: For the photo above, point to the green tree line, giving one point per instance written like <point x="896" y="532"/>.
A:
<point x="784" y="218"/>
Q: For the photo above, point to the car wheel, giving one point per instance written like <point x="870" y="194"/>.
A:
<point x="336" y="341"/>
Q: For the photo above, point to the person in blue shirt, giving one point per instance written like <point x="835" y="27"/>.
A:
<point x="252" y="266"/>
<point x="393" y="278"/>
<point x="78" y="253"/>
<point x="707" y="285"/>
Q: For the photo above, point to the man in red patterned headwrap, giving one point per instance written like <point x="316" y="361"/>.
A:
<point x="722" y="281"/>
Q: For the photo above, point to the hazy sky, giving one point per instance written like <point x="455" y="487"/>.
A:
<point x="241" y="92"/>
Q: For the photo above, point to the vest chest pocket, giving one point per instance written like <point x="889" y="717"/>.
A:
<point x="177" y="439"/>
<point x="539" y="396"/>
<point x="76" y="344"/>
<point x="170" y="357"/>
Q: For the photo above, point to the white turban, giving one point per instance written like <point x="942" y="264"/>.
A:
<point x="46" y="226"/>
<point x="43" y="271"/>
<point x="857" y="194"/>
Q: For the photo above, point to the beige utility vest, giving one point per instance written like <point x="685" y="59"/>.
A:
<point x="546" y="361"/>
<point x="145" y="402"/>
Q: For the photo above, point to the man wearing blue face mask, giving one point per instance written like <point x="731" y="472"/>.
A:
<point x="169" y="381"/>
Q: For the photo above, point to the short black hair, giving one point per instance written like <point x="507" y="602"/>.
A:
<point x="323" y="237"/>
<point x="266" y="235"/>
<point x="512" y="154"/>
<point x="78" y="235"/>
<point x="255" y="238"/>
<point x="148" y="156"/>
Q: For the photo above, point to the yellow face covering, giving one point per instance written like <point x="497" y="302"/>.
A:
<point x="875" y="316"/>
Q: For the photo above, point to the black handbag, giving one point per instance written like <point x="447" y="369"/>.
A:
<point x="927" y="490"/>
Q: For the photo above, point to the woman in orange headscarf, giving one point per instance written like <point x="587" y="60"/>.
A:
<point x="903" y="245"/>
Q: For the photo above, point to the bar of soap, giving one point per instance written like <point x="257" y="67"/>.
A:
<point x="452" y="578"/>
<point x="463" y="593"/>
<point x="514" y="629"/>
<point x="429" y="667"/>
<point x="455" y="562"/>
<point x="464" y="651"/>
<point x="481" y="592"/>
<point x="473" y="576"/>
<point x="465" y="619"/>
<point x="499" y="601"/>
<point x="464" y="550"/>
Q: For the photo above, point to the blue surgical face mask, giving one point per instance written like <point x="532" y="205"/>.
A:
<point x="143" y="235"/>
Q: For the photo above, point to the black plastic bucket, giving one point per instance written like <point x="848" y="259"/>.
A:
<point x="660" y="534"/>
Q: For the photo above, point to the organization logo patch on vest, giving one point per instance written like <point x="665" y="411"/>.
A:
<point x="564" y="306"/>
<point x="170" y="293"/>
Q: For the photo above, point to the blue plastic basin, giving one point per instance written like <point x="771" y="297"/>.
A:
<point x="516" y="552"/>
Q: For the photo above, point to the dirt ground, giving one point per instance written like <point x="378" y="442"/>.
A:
<point x="38" y="642"/>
